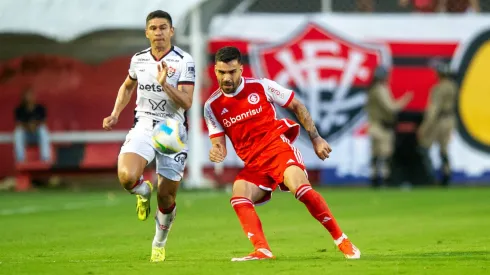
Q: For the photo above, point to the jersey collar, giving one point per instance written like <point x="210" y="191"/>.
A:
<point x="238" y="90"/>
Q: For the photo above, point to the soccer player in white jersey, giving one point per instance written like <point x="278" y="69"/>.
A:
<point x="163" y="76"/>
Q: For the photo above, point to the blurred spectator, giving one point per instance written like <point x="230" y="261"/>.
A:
<point x="439" y="118"/>
<point x="461" y="6"/>
<point x="30" y="127"/>
<point x="424" y="6"/>
<point x="382" y="110"/>
<point x="365" y="5"/>
<point x="450" y="6"/>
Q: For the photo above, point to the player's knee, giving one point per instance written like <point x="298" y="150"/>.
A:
<point x="127" y="178"/>
<point x="294" y="177"/>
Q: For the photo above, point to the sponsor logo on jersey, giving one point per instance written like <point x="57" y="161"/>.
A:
<point x="157" y="88"/>
<point x="158" y="105"/>
<point x="329" y="73"/>
<point x="276" y="92"/>
<point x="227" y="122"/>
<point x="162" y="115"/>
<point x="190" y="70"/>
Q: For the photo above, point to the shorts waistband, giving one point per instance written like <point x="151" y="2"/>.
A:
<point x="145" y="121"/>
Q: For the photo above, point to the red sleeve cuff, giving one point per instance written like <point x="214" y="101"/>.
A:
<point x="217" y="135"/>
<point x="289" y="100"/>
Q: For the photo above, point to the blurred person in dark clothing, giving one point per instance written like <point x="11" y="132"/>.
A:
<point x="440" y="118"/>
<point x="382" y="111"/>
<point x="449" y="6"/>
<point x="30" y="127"/>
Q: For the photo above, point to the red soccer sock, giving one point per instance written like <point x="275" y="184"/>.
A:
<point x="318" y="209"/>
<point x="250" y="221"/>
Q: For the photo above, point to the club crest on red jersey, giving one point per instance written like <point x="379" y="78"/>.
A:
<point x="253" y="98"/>
<point x="329" y="73"/>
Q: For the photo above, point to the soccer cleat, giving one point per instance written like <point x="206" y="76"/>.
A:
<point x="157" y="254"/>
<point x="259" y="254"/>
<point x="350" y="251"/>
<point x="143" y="204"/>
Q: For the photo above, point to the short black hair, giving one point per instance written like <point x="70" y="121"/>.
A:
<point x="227" y="54"/>
<point x="159" y="14"/>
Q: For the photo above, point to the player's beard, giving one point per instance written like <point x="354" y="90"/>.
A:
<point x="230" y="88"/>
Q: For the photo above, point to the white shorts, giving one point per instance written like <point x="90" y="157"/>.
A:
<point x="138" y="141"/>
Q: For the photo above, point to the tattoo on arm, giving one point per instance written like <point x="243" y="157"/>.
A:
<point x="305" y="119"/>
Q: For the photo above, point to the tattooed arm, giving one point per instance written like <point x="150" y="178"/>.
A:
<point x="304" y="117"/>
<point x="322" y="148"/>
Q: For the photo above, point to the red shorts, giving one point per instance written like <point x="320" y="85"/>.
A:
<point x="267" y="171"/>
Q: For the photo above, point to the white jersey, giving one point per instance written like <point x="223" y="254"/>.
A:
<point x="152" y="101"/>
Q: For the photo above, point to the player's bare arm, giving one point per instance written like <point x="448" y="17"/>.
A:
<point x="123" y="96"/>
<point x="218" y="149"/>
<point x="182" y="95"/>
<point x="322" y="148"/>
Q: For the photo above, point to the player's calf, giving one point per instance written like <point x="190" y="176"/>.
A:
<point x="166" y="213"/>
<point x="242" y="201"/>
<point x="295" y="179"/>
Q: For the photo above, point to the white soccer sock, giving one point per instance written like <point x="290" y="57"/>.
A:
<point x="163" y="225"/>
<point x="141" y="189"/>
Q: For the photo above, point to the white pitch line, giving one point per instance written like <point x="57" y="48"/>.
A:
<point x="65" y="207"/>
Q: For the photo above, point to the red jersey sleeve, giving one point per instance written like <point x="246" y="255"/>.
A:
<point x="277" y="93"/>
<point x="214" y="127"/>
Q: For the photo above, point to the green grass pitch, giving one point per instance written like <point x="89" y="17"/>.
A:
<point x="423" y="231"/>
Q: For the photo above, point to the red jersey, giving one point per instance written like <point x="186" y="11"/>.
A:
<point x="248" y="116"/>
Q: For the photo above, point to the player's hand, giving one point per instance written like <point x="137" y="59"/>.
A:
<point x="217" y="153"/>
<point x="109" y="122"/>
<point x="162" y="72"/>
<point x="408" y="96"/>
<point x="321" y="147"/>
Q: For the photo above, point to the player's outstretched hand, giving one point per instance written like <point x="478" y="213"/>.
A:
<point x="109" y="122"/>
<point x="217" y="153"/>
<point x="162" y="72"/>
<point x="322" y="148"/>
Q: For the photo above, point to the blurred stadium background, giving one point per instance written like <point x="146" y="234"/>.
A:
<point x="75" y="67"/>
<point x="75" y="54"/>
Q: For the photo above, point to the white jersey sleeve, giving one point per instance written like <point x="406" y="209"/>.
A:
<point x="188" y="70"/>
<point x="214" y="127"/>
<point x="132" y="70"/>
<point x="277" y="93"/>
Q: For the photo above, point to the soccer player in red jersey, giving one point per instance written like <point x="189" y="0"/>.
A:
<point x="242" y="108"/>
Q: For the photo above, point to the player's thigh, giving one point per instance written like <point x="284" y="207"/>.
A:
<point x="249" y="190"/>
<point x="135" y="154"/>
<point x="294" y="177"/>
<point x="253" y="185"/>
<point x="170" y="169"/>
